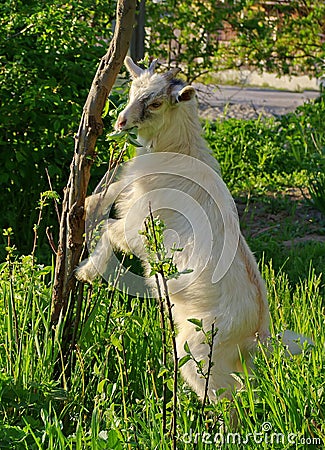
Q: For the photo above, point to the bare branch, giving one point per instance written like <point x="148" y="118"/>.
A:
<point x="91" y="126"/>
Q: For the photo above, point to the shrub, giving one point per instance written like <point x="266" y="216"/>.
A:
<point x="49" y="52"/>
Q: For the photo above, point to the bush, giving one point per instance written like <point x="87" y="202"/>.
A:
<point x="265" y="154"/>
<point x="49" y="53"/>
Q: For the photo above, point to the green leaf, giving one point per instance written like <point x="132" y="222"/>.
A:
<point x="116" y="342"/>
<point x="162" y="372"/>
<point x="106" y="109"/>
<point x="112" y="440"/>
<point x="100" y="386"/>
<point x="116" y="136"/>
<point x="134" y="142"/>
<point x="196" y="322"/>
<point x="184" y="360"/>
<point x="170" y="384"/>
<point x="186" y="347"/>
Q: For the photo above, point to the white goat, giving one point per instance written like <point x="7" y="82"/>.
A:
<point x="180" y="178"/>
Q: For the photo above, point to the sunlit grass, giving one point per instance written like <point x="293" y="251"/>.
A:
<point x="112" y="398"/>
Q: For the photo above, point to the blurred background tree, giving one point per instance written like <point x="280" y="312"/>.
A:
<point x="280" y="36"/>
<point x="286" y="37"/>
<point x="188" y="34"/>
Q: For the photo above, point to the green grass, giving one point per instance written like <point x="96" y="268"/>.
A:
<point x="112" y="398"/>
<point x="108" y="394"/>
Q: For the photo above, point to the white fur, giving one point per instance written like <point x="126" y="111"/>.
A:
<point x="237" y="303"/>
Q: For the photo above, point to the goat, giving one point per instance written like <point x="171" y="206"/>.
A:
<point x="179" y="176"/>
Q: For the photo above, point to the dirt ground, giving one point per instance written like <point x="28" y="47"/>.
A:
<point x="268" y="215"/>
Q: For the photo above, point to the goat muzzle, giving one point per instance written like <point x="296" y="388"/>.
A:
<point x="121" y="123"/>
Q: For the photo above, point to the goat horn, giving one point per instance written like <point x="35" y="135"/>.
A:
<point x="172" y="73"/>
<point x="135" y="71"/>
<point x="152" y="66"/>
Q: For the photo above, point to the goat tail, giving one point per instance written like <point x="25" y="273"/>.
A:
<point x="294" y="342"/>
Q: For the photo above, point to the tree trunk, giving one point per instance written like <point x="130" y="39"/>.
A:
<point x="72" y="226"/>
<point x="138" y="37"/>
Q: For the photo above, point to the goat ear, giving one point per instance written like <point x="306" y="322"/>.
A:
<point x="134" y="70"/>
<point x="186" y="94"/>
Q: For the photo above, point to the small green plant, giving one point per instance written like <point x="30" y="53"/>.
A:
<point x="160" y="258"/>
<point x="43" y="202"/>
<point x="10" y="248"/>
<point x="164" y="268"/>
<point x="209" y="336"/>
<point x="316" y="189"/>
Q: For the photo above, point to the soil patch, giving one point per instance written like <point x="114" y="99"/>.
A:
<point x="277" y="211"/>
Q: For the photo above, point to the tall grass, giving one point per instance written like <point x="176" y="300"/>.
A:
<point x="113" y="397"/>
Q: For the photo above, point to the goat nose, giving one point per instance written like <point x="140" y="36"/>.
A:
<point x="121" y="122"/>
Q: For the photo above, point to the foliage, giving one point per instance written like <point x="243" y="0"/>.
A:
<point x="160" y="258"/>
<point x="279" y="37"/>
<point x="305" y="139"/>
<point x="247" y="152"/>
<point x="316" y="190"/>
<point x="49" y="51"/>
<point x="185" y="33"/>
<point x="264" y="154"/>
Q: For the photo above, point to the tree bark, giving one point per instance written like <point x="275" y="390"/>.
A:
<point x="138" y="37"/>
<point x="72" y="226"/>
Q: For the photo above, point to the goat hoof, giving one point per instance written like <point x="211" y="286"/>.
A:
<point x="86" y="271"/>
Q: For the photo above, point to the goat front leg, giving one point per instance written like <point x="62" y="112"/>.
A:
<point x="96" y="264"/>
<point x="96" y="205"/>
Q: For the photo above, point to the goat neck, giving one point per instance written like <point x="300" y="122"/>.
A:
<point x="179" y="132"/>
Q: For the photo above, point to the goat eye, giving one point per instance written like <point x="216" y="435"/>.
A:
<point x="155" y="105"/>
